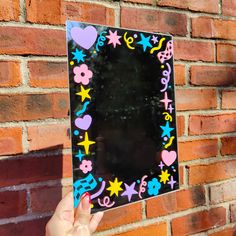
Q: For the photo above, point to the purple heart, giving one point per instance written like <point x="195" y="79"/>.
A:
<point x="84" y="37"/>
<point x="83" y="123"/>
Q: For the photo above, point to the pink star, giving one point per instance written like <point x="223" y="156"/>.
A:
<point x="113" y="38"/>
<point x="166" y="101"/>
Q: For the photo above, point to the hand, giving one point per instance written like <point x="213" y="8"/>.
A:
<point x="69" y="222"/>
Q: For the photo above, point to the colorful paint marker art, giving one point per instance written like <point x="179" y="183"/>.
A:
<point x="123" y="114"/>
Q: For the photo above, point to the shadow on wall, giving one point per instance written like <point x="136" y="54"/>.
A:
<point x="30" y="189"/>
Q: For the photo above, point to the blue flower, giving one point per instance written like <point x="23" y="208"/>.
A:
<point x="153" y="187"/>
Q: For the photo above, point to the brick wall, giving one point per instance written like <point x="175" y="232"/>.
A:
<point x="35" y="164"/>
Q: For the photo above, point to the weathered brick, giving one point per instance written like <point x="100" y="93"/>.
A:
<point x="154" y="20"/>
<point x="43" y="11"/>
<point x="208" y="173"/>
<point x="195" y="99"/>
<point x="179" y="71"/>
<point x="47" y="74"/>
<point x="213" y="28"/>
<point x="213" y="75"/>
<point x="32" y="41"/>
<point x="224" y="232"/>
<point x="10" y="140"/>
<point x="232" y="208"/>
<point x="228" y="7"/>
<point x="13" y="203"/>
<point x="10" y="74"/>
<point x="30" y="169"/>
<point x="197" y="149"/>
<point x="226" y="52"/>
<point x="180" y="125"/>
<point x="198" y="222"/>
<point x="175" y="202"/>
<point x="9" y="10"/>
<point x="87" y="12"/>
<point x="150" y="2"/>
<point x="44" y="199"/>
<point x="223" y="192"/>
<point x="228" y="146"/>
<point x="120" y="216"/>
<point x="155" y="229"/>
<point x="193" y="50"/>
<point x="211" y="6"/>
<point x="16" y="107"/>
<point x="212" y="124"/>
<point x="229" y="99"/>
<point x="35" y="227"/>
<point x="48" y="136"/>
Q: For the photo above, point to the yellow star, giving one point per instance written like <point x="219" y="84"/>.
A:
<point x="86" y="143"/>
<point x="115" y="187"/>
<point x="84" y="93"/>
<point x="164" y="176"/>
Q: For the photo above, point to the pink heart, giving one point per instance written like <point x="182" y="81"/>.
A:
<point x="83" y="123"/>
<point x="84" y="37"/>
<point x="168" y="157"/>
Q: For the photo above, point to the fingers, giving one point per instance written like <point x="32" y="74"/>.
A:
<point x="94" y="222"/>
<point x="83" y="211"/>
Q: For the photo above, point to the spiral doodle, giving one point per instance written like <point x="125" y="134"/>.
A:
<point x="166" y="79"/>
<point x="128" y="41"/>
<point x="106" y="202"/>
<point x="101" y="40"/>
<point x="142" y="185"/>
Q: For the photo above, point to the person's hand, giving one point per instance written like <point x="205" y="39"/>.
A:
<point x="69" y="222"/>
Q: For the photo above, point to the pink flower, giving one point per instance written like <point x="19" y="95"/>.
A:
<point x="82" y="74"/>
<point x="86" y="166"/>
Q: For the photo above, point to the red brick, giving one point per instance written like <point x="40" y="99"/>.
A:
<point x="10" y="74"/>
<point x="175" y="202"/>
<point x="195" y="99"/>
<point x="211" y="6"/>
<point x="13" y="203"/>
<point x="47" y="74"/>
<point x="197" y="149"/>
<point x="44" y="199"/>
<point x="226" y="52"/>
<point x="121" y="216"/>
<point x="155" y="229"/>
<point x="213" y="28"/>
<point x="32" y="41"/>
<point x="232" y="208"/>
<point x="10" y="140"/>
<point x="34" y="227"/>
<point x="213" y="75"/>
<point x="154" y="20"/>
<point x="48" y="136"/>
<point x="229" y="99"/>
<point x="179" y="74"/>
<point x="193" y="50"/>
<point x="198" y="222"/>
<point x="43" y="11"/>
<point x="30" y="169"/>
<point x="16" y="107"/>
<point x="181" y="175"/>
<point x="9" y="10"/>
<point x="228" y="7"/>
<point x="150" y="2"/>
<point x="228" y="146"/>
<point x="223" y="192"/>
<point x="224" y="232"/>
<point x="180" y="125"/>
<point x="87" y="12"/>
<point x="199" y="174"/>
<point x="212" y="124"/>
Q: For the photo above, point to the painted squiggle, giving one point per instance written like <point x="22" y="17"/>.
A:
<point x="142" y="188"/>
<point x="158" y="47"/>
<point x="167" y="116"/>
<point x="170" y="142"/>
<point x="128" y="41"/>
<point x="99" y="191"/>
<point x="166" y="79"/>
<point x="106" y="202"/>
<point x="101" y="40"/>
<point x="80" y="112"/>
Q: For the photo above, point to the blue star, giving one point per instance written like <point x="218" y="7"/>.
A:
<point x="166" y="130"/>
<point x="78" y="55"/>
<point x="80" y="155"/>
<point x="145" y="42"/>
